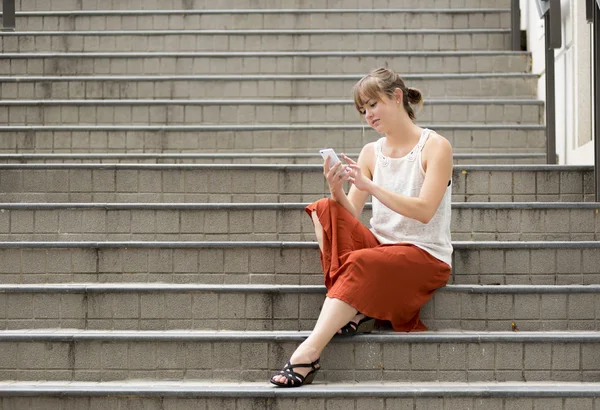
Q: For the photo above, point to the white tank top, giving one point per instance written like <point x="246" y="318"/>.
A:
<point x="405" y="176"/>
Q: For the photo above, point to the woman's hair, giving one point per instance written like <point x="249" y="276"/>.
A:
<point x="383" y="80"/>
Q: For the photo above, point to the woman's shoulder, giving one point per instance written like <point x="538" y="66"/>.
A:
<point x="437" y="143"/>
<point x="369" y="148"/>
<point x="366" y="159"/>
<point x="367" y="154"/>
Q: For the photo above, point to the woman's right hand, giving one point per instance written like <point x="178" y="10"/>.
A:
<point x="336" y="175"/>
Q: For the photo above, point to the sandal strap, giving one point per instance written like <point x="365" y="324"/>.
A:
<point x="295" y="377"/>
<point x="350" y="327"/>
<point x="291" y="375"/>
<point x="293" y="366"/>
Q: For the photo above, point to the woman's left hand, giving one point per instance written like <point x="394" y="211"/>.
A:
<point x="356" y="176"/>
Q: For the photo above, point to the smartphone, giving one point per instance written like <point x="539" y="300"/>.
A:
<point x="329" y="153"/>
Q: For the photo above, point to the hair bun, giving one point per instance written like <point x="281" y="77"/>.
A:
<point x="414" y="96"/>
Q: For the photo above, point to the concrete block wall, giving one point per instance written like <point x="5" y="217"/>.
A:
<point x="279" y="307"/>
<point x="253" y="19"/>
<point x="171" y="63"/>
<point x="264" y="138"/>
<point x="275" y="221"/>
<point x="435" y="86"/>
<point x="251" y="112"/>
<point x="266" y="183"/>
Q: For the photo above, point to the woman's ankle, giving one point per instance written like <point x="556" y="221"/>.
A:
<point x="307" y="351"/>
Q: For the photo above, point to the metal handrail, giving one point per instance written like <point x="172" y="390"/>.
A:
<point x="549" y="10"/>
<point x="593" y="16"/>
<point x="515" y="25"/>
<point x="8" y="15"/>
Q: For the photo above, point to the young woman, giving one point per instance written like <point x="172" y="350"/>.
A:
<point x="389" y="271"/>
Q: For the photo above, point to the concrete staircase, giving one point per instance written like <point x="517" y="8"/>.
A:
<point x="154" y="252"/>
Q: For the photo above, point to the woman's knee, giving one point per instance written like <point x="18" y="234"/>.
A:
<point x="324" y="203"/>
<point x="319" y="207"/>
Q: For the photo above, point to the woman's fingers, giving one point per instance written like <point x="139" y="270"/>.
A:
<point x="326" y="166"/>
<point x="349" y="160"/>
<point x="334" y="168"/>
<point x="336" y="174"/>
<point x="329" y="171"/>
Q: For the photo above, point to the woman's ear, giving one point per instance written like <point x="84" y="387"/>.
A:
<point x="398" y="96"/>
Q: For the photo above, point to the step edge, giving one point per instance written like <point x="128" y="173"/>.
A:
<point x="76" y="13"/>
<point x="282" y="245"/>
<point x="149" y="54"/>
<point x="79" y="335"/>
<point x="186" y="388"/>
<point x="276" y="206"/>
<point x="211" y="77"/>
<point x="225" y="155"/>
<point x="244" y="32"/>
<point x="274" y="289"/>
<point x="258" y="127"/>
<point x="291" y="102"/>
<point x="464" y="168"/>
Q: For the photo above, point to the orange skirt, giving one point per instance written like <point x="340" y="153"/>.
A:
<point x="386" y="282"/>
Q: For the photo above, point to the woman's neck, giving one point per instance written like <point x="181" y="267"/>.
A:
<point x="405" y="135"/>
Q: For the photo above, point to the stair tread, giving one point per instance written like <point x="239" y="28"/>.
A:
<point x="280" y="244"/>
<point x="265" y="53"/>
<point x="92" y="287"/>
<point x="444" y="336"/>
<point x="264" y="389"/>
<point x="275" y="127"/>
<point x="270" y="101"/>
<point x="262" y="11"/>
<point x="275" y="205"/>
<point x="253" y="31"/>
<point x="284" y="167"/>
<point x="120" y="77"/>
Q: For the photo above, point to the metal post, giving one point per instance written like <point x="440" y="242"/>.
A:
<point x="596" y="103"/>
<point x="8" y="15"/>
<point x="515" y="25"/>
<point x="550" y="95"/>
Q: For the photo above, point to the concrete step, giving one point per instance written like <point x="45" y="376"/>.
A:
<point x="287" y="263"/>
<point x="27" y="5"/>
<point x="473" y="85"/>
<point x="250" y="396"/>
<point x="185" y="395"/>
<point x="268" y="183"/>
<point x="162" y="306"/>
<point x="262" y="138"/>
<point x="255" y="40"/>
<point x="223" y="112"/>
<point x="265" y="62"/>
<point x="445" y="18"/>
<point x="245" y="158"/>
<point x="253" y="356"/>
<point x="495" y="221"/>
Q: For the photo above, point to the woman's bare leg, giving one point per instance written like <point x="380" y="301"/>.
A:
<point x="319" y="234"/>
<point x="333" y="316"/>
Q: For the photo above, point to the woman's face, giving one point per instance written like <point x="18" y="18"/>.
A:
<point x="380" y="114"/>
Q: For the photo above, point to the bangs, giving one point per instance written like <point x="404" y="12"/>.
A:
<point x="366" y="89"/>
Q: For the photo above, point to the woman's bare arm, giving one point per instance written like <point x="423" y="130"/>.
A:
<point x="437" y="175"/>
<point x="355" y="201"/>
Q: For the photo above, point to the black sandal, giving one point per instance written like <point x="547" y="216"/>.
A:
<point x="294" y="379"/>
<point x="364" y="325"/>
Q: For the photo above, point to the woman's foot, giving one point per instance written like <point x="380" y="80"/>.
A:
<point x="359" y="324"/>
<point x="302" y="355"/>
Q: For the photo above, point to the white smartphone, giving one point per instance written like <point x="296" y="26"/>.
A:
<point x="329" y="153"/>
